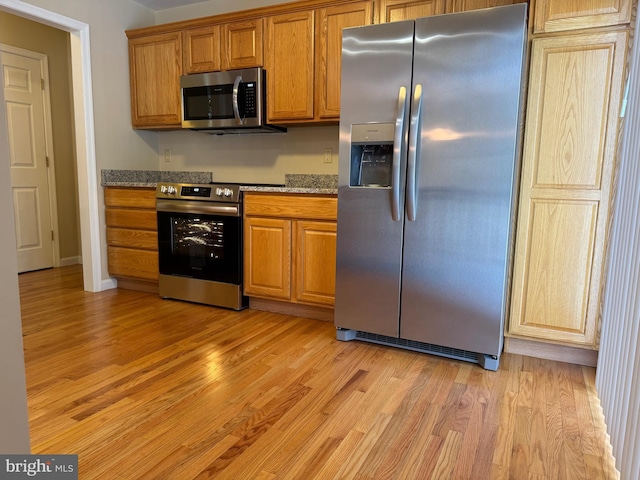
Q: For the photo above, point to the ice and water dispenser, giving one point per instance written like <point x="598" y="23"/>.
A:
<point x="371" y="155"/>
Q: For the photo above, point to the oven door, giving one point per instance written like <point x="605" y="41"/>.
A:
<point x="200" y="240"/>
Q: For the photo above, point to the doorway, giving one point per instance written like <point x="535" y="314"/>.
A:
<point x="84" y="138"/>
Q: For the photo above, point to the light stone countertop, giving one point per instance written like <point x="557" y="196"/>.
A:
<point x="294" y="183"/>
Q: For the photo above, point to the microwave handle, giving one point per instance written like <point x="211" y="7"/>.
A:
<point x="236" y="110"/>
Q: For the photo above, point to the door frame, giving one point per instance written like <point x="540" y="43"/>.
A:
<point x="84" y="136"/>
<point x="48" y="140"/>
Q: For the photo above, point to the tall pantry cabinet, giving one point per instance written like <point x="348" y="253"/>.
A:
<point x="576" y="84"/>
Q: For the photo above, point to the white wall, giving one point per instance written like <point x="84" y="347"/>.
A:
<point x="252" y="158"/>
<point x="211" y="7"/>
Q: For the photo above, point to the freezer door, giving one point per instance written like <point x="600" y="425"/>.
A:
<point x="469" y="67"/>
<point x="376" y="79"/>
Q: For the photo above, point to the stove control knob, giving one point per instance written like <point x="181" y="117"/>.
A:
<point x="228" y="192"/>
<point x="171" y="190"/>
<point x="163" y="189"/>
<point x="219" y="192"/>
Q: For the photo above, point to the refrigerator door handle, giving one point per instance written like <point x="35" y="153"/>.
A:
<point x="398" y="147"/>
<point x="414" y="154"/>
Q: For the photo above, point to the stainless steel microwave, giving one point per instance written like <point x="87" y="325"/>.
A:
<point x="226" y="102"/>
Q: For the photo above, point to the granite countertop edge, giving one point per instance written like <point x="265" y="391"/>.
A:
<point x="294" y="183"/>
<point x="304" y="190"/>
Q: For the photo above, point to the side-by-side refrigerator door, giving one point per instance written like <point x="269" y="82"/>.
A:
<point x="469" y="68"/>
<point x="374" y="111"/>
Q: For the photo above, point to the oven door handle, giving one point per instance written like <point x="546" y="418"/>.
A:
<point x="182" y="206"/>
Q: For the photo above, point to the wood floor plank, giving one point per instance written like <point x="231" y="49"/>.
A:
<point x="145" y="388"/>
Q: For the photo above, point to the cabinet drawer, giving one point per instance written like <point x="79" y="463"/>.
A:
<point x="130" y="197"/>
<point x="123" y="237"/>
<point x="291" y="206"/>
<point x="133" y="263"/>
<point x="136" y="219"/>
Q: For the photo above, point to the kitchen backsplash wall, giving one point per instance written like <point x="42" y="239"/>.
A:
<point x="262" y="158"/>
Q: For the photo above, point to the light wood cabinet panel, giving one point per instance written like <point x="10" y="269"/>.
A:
<point x="398" y="10"/>
<point x="329" y="24"/>
<point x="132" y="238"/>
<point x="132" y="218"/>
<point x="575" y="91"/>
<point x="155" y="64"/>
<point x="289" y="62"/>
<point x="315" y="265"/>
<point x="130" y="197"/>
<point x="133" y="263"/>
<point x="291" y="206"/>
<point x="558" y="15"/>
<point x="201" y="49"/>
<point x="465" y="5"/>
<point x="242" y="45"/>
<point x="267" y="257"/>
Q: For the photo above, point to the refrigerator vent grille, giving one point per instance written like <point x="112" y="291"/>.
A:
<point x="455" y="353"/>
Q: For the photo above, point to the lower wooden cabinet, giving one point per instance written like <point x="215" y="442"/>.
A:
<point x="267" y="257"/>
<point x="314" y="263"/>
<point x="132" y="233"/>
<point x="290" y="248"/>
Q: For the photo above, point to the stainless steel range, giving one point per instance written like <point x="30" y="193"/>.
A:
<point x="200" y="243"/>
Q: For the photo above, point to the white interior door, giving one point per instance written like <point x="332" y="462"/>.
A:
<point x="23" y="91"/>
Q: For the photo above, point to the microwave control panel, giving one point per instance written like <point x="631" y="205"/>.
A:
<point x="250" y="99"/>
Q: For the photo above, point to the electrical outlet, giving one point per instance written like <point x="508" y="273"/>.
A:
<point x="328" y="155"/>
<point x="167" y="155"/>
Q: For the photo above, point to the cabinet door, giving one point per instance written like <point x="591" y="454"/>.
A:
<point x="201" y="49"/>
<point x="575" y="91"/>
<point x="289" y="65"/>
<point x="329" y="24"/>
<point x="155" y="64"/>
<point x="397" y="10"/>
<point x="267" y="257"/>
<point x="242" y="45"/>
<point x="558" y="15"/>
<point x="315" y="262"/>
<point x="464" y="5"/>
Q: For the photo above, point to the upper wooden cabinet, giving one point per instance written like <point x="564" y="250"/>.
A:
<point x="329" y="24"/>
<point x="465" y="5"/>
<point x="575" y="89"/>
<point x="201" y="49"/>
<point x="155" y="66"/>
<point x="242" y="45"/>
<point x="289" y="62"/>
<point x="397" y="10"/>
<point x="558" y="15"/>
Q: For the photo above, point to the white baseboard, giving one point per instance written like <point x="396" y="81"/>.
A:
<point x="66" y="262"/>
<point x="108" y="284"/>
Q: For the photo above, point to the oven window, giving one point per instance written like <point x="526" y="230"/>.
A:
<point x="207" y="247"/>
<point x="198" y="237"/>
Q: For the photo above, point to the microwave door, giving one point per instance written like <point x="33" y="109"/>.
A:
<point x="234" y="100"/>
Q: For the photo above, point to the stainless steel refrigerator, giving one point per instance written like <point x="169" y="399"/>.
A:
<point x="428" y="172"/>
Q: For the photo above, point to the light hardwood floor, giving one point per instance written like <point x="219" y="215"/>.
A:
<point x="145" y="388"/>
